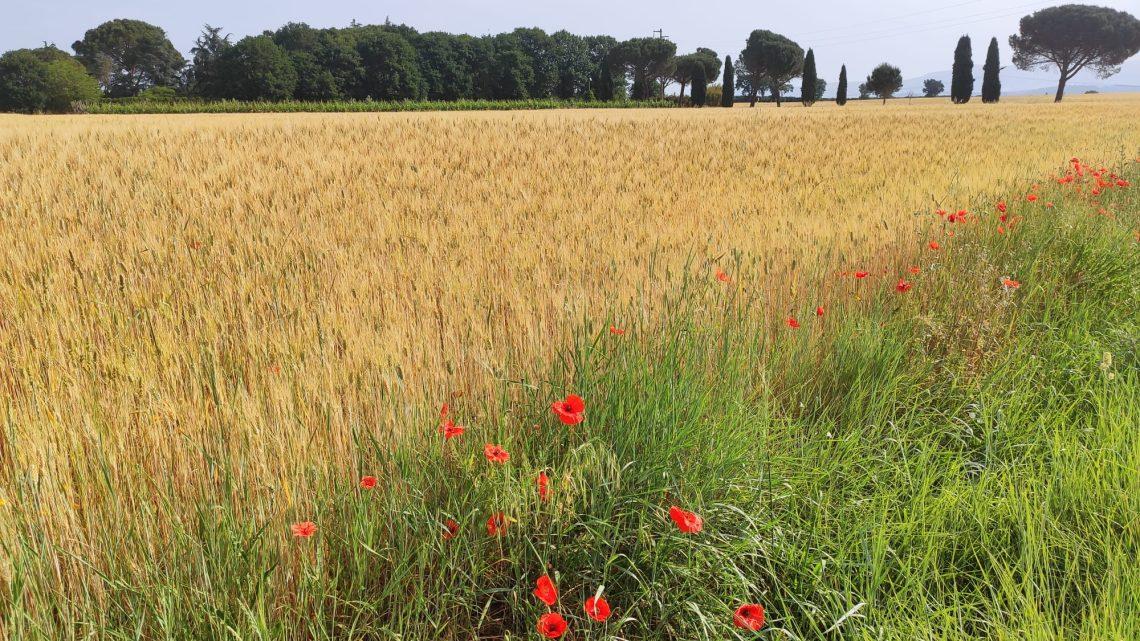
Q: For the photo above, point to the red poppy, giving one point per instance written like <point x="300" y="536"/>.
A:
<point x="1122" y="183"/>
<point x="368" y="482"/>
<point x="1031" y="198"/>
<point x="934" y="245"/>
<point x="686" y="521"/>
<point x="792" y="322"/>
<point x="551" y="625"/>
<point x="496" y="454"/>
<point x="914" y="269"/>
<point x="1001" y="207"/>
<point x="304" y="529"/>
<point x="545" y="591"/>
<point x="570" y="411"/>
<point x="1009" y="283"/>
<point x="597" y="609"/>
<point x="722" y="277"/>
<point x="447" y="427"/>
<point x="861" y="275"/>
<point x="450" y="529"/>
<point x="902" y="286"/>
<point x="616" y="331"/>
<point x="819" y="311"/>
<point x="543" y="483"/>
<point x="497" y="524"/>
<point x="749" y="616"/>
<point x="1001" y="230"/>
<point x="941" y="212"/>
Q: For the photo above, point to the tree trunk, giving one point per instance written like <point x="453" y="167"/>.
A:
<point x="776" y="95"/>
<point x="681" y="98"/>
<point x="1061" y="87"/>
<point x="752" y="100"/>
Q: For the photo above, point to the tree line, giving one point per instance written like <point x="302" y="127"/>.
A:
<point x="393" y="62"/>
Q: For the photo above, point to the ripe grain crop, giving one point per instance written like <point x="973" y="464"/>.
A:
<point x="195" y="307"/>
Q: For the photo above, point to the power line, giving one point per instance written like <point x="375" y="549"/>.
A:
<point x="944" y="23"/>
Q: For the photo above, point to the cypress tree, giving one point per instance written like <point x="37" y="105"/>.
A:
<point x="962" y="81"/>
<point x="991" y="83"/>
<point x="727" y="90"/>
<point x="841" y="91"/>
<point x="809" y="80"/>
<point x="700" y="87"/>
<point x="605" y="88"/>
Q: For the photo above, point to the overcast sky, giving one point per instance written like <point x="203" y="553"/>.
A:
<point x="917" y="36"/>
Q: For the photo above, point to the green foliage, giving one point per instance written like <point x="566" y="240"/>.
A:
<point x="773" y="60"/>
<point x="991" y="80"/>
<point x="684" y="68"/>
<point x="390" y="66"/>
<point x="932" y="87"/>
<point x="43" y="80"/>
<point x="841" y="90"/>
<point x="700" y="86"/>
<point x="962" y="78"/>
<point x="136" y="105"/>
<point x="1072" y="37"/>
<point x="204" y="76"/>
<point x="128" y="56"/>
<point x="884" y="81"/>
<point x="809" y="85"/>
<point x="257" y="69"/>
<point x="646" y="60"/>
<point x="728" y="84"/>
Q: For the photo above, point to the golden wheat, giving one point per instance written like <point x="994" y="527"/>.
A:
<point x="268" y="289"/>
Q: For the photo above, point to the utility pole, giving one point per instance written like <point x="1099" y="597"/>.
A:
<point x="661" y="36"/>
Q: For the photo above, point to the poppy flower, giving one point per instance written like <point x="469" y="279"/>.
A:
<point x="616" y="331"/>
<point x="793" y="323"/>
<point x="941" y="212"/>
<point x="686" y="521"/>
<point x="914" y="269"/>
<point x="304" y="529"/>
<point x="1001" y="207"/>
<point x="749" y="616"/>
<point x="597" y="609"/>
<point x="1001" y="230"/>
<point x="497" y="524"/>
<point x="447" y="427"/>
<point x="934" y="245"/>
<point x="496" y="454"/>
<point x="861" y="275"/>
<point x="1122" y="183"/>
<point x="368" y="482"/>
<point x="571" y="411"/>
<point x="1009" y="283"/>
<point x="551" y="625"/>
<point x="722" y="277"/>
<point x="902" y="286"/>
<point x="1031" y="198"/>
<point x="819" y="311"/>
<point x="450" y="529"/>
<point x="543" y="483"/>
<point x="545" y="591"/>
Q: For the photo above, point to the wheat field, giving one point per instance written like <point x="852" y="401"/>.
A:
<point x="270" y="290"/>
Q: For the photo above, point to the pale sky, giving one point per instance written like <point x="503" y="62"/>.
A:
<point x="918" y="37"/>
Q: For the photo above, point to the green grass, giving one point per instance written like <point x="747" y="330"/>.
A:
<point x="960" y="461"/>
<point x="144" y="106"/>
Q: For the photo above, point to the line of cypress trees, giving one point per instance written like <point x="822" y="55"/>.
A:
<point x="809" y="80"/>
<point x="962" y="81"/>
<point x="991" y="82"/>
<point x="841" y="91"/>
<point x="728" y="89"/>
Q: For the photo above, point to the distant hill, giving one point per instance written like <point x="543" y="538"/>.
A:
<point x="1015" y="82"/>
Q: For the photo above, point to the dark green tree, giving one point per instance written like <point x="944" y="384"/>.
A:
<point x="646" y="60"/>
<point x="43" y="80"/>
<point x="809" y="83"/>
<point x="884" y="81"/>
<point x="128" y="56"/>
<point x="204" y="76"/>
<point x="443" y="74"/>
<point x="864" y="91"/>
<point x="1072" y="37"/>
<point x="511" y="72"/>
<point x="575" y="68"/>
<point x="604" y="82"/>
<point x="727" y="85"/>
<point x="391" y="66"/>
<point x="700" y="85"/>
<point x="991" y="80"/>
<point x="685" y="67"/>
<point x="257" y="69"/>
<point x="536" y="46"/>
<point x="962" y="78"/>
<point x="820" y="88"/>
<point x="841" y="90"/>
<point x="773" y="59"/>
<point x="932" y="87"/>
